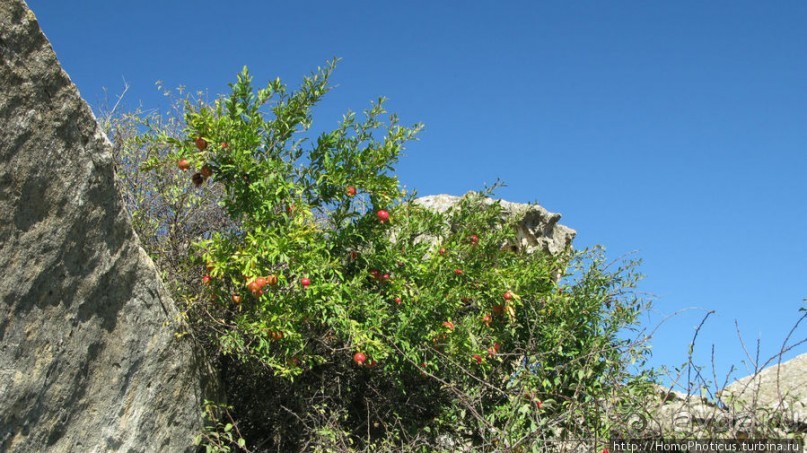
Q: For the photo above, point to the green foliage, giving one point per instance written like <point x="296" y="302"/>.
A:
<point x="167" y="213"/>
<point x="219" y="435"/>
<point x="323" y="257"/>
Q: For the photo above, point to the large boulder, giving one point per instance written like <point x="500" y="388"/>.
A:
<point x="537" y="228"/>
<point x="770" y="403"/>
<point x="668" y="412"/>
<point x="88" y="358"/>
<point x="779" y="389"/>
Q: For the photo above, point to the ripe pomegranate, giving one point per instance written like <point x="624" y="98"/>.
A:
<point x="478" y="359"/>
<point x="487" y="319"/>
<point x="224" y="145"/>
<point x="260" y="282"/>
<point x="398" y="300"/>
<point x="442" y="251"/>
<point x="306" y="282"/>
<point x="183" y="164"/>
<point x="351" y="191"/>
<point x="236" y="298"/>
<point x="507" y="295"/>
<point x="491" y="352"/>
<point x="474" y="239"/>
<point x="271" y="279"/>
<point x="538" y="405"/>
<point x="254" y="288"/>
<point x="458" y="271"/>
<point x="448" y="324"/>
<point x="276" y="335"/>
<point x="206" y="279"/>
<point x="207" y="171"/>
<point x="383" y="215"/>
<point x="201" y="144"/>
<point x="359" y="358"/>
<point x="197" y="179"/>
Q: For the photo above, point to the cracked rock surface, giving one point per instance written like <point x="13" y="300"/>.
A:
<point x="537" y="228"/>
<point x="88" y="360"/>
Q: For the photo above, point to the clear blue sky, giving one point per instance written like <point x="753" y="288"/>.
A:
<point x="675" y="129"/>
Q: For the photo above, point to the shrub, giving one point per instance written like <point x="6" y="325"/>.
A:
<point x="343" y="314"/>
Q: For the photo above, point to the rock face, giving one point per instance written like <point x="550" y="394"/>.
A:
<point x="770" y="403"/>
<point x="675" y="412"/>
<point x="780" y="388"/>
<point x="538" y="229"/>
<point x="88" y="361"/>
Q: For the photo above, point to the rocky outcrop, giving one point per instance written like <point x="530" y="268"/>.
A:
<point x="781" y="389"/>
<point x="538" y="229"/>
<point x="88" y="361"/>
<point x="675" y="413"/>
<point x="770" y="403"/>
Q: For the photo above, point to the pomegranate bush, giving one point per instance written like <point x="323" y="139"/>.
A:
<point x="374" y="321"/>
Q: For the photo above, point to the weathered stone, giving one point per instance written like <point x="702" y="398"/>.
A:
<point x="87" y="359"/>
<point x="538" y="229"/>
<point x="778" y="389"/>
<point x="770" y="403"/>
<point x="675" y="413"/>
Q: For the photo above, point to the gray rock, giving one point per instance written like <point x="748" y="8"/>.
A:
<point x="781" y="389"/>
<point x="676" y="413"/>
<point x="88" y="358"/>
<point x="537" y="227"/>
<point x="770" y="403"/>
